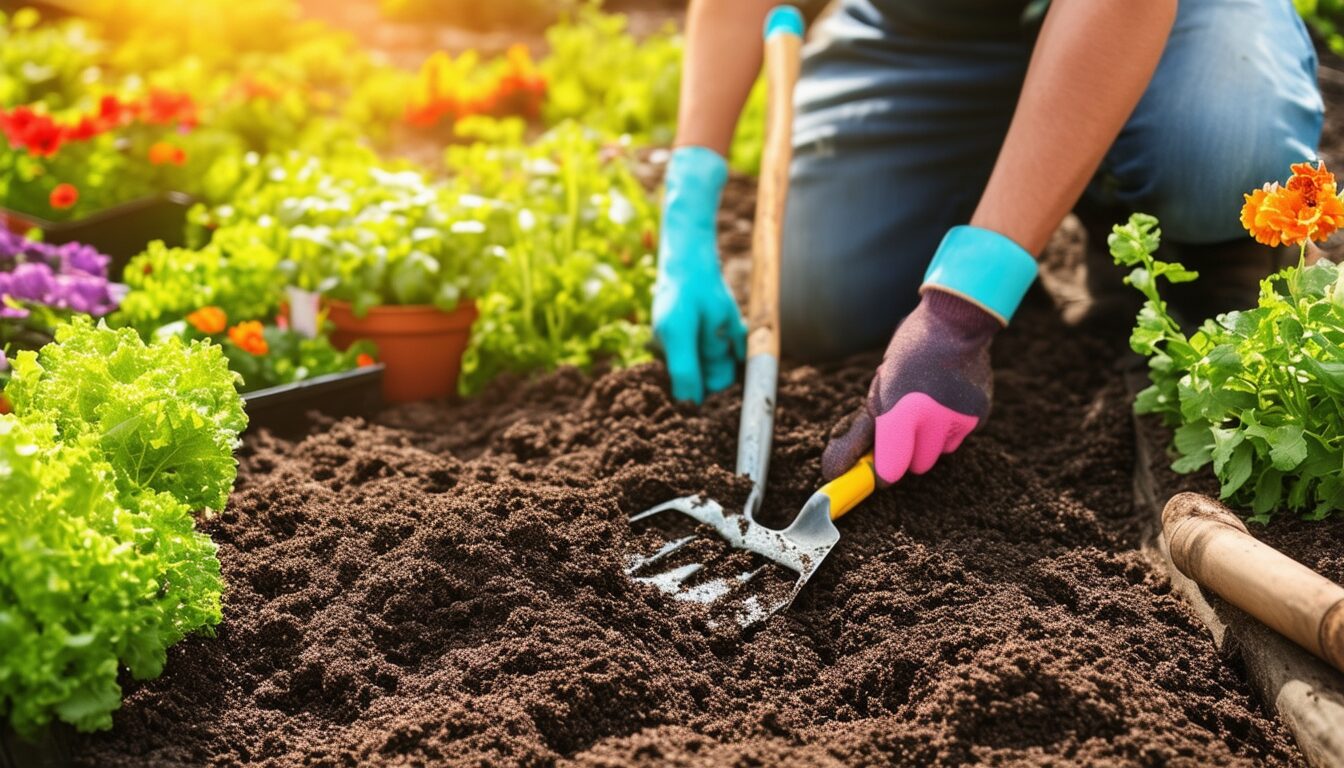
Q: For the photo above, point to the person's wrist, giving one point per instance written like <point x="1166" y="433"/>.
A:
<point x="957" y="315"/>
<point x="983" y="268"/>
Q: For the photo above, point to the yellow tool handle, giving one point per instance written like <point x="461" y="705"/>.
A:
<point x="847" y="490"/>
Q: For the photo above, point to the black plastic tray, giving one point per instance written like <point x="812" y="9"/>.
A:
<point x="284" y="409"/>
<point x="121" y="231"/>
<point x="49" y="750"/>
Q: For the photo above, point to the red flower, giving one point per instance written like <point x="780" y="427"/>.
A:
<point x="15" y="124"/>
<point x="113" y="112"/>
<point x="63" y="196"/>
<point x="169" y="108"/>
<point x="85" y="129"/>
<point x="364" y="360"/>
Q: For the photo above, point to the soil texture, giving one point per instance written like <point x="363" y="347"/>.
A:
<point x="446" y="587"/>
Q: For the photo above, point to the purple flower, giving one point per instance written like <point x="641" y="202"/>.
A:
<point x="4" y="361"/>
<point x="71" y="277"/>
<point x="31" y="282"/>
<point x="77" y="257"/>
<point x="82" y="293"/>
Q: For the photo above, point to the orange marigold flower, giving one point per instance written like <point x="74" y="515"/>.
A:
<point x="208" y="320"/>
<point x="364" y="360"/>
<point x="249" y="337"/>
<point x="162" y="152"/>
<point x="1308" y="207"/>
<point x="63" y="196"/>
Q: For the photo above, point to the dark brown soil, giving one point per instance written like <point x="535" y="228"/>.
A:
<point x="446" y="587"/>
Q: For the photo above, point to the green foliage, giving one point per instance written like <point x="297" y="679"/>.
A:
<point x="1326" y="18"/>
<point x="290" y="356"/>
<point x="165" y="415"/>
<point x="361" y="233"/>
<point x="588" y="46"/>
<point x="575" y="273"/>
<point x="112" y="447"/>
<point x="584" y="55"/>
<point x="48" y="63"/>
<point x="235" y="272"/>
<point x="1257" y="394"/>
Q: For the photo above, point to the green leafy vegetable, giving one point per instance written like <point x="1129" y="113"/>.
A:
<point x="166" y="415"/>
<point x="575" y="273"/>
<point x="1256" y="394"/>
<point x="112" y="447"/>
<point x="235" y="272"/>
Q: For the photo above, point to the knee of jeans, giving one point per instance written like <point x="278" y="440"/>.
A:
<point x="1197" y="194"/>
<point x="1204" y="141"/>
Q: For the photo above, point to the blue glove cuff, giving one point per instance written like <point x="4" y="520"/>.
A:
<point x="784" y="19"/>
<point x="983" y="267"/>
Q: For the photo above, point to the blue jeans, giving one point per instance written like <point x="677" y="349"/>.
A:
<point x="900" y="120"/>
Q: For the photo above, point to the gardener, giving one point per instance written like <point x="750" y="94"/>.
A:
<point x="937" y="145"/>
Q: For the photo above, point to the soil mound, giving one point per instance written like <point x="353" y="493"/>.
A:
<point x="446" y="587"/>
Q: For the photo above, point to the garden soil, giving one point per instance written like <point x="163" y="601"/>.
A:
<point x="445" y="586"/>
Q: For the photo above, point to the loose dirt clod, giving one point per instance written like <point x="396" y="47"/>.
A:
<point x="446" y="587"/>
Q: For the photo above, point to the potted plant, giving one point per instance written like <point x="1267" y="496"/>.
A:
<point x="395" y="259"/>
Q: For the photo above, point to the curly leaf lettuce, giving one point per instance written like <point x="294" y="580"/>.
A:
<point x="88" y="581"/>
<point x="166" y="416"/>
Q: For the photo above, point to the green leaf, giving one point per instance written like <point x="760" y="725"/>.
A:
<point x="166" y="415"/>
<point x="1238" y="470"/>
<point x="1288" y="447"/>
<point x="1268" y="491"/>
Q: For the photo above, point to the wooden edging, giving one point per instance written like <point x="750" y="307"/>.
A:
<point x="1305" y="692"/>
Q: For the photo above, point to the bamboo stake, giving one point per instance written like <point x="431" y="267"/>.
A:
<point x="1211" y="545"/>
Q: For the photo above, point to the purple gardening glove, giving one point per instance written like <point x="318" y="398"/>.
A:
<point x="934" y="385"/>
<point x="932" y="389"/>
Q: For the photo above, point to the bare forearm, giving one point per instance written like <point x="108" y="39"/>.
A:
<point x="723" y="57"/>
<point x="1092" y="63"/>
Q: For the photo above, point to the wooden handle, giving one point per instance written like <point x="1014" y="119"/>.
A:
<point x="782" y="62"/>
<point x="1211" y="545"/>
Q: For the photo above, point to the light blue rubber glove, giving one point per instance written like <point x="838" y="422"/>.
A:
<point x="695" y="318"/>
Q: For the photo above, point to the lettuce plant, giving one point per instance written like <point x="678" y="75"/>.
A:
<point x="165" y="415"/>
<point x="112" y="446"/>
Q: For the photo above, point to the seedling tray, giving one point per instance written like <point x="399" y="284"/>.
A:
<point x="121" y="231"/>
<point x="285" y="409"/>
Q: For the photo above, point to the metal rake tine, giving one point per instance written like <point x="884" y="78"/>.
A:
<point x="640" y="561"/>
<point x="674" y="504"/>
<point x="670" y="581"/>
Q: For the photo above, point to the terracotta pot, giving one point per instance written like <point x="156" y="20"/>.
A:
<point x="421" y="346"/>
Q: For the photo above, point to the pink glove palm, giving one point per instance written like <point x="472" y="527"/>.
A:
<point x="932" y="389"/>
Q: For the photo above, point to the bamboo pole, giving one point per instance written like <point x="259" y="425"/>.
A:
<point x="1210" y="544"/>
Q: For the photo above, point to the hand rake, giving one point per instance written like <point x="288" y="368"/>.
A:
<point x="802" y="546"/>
